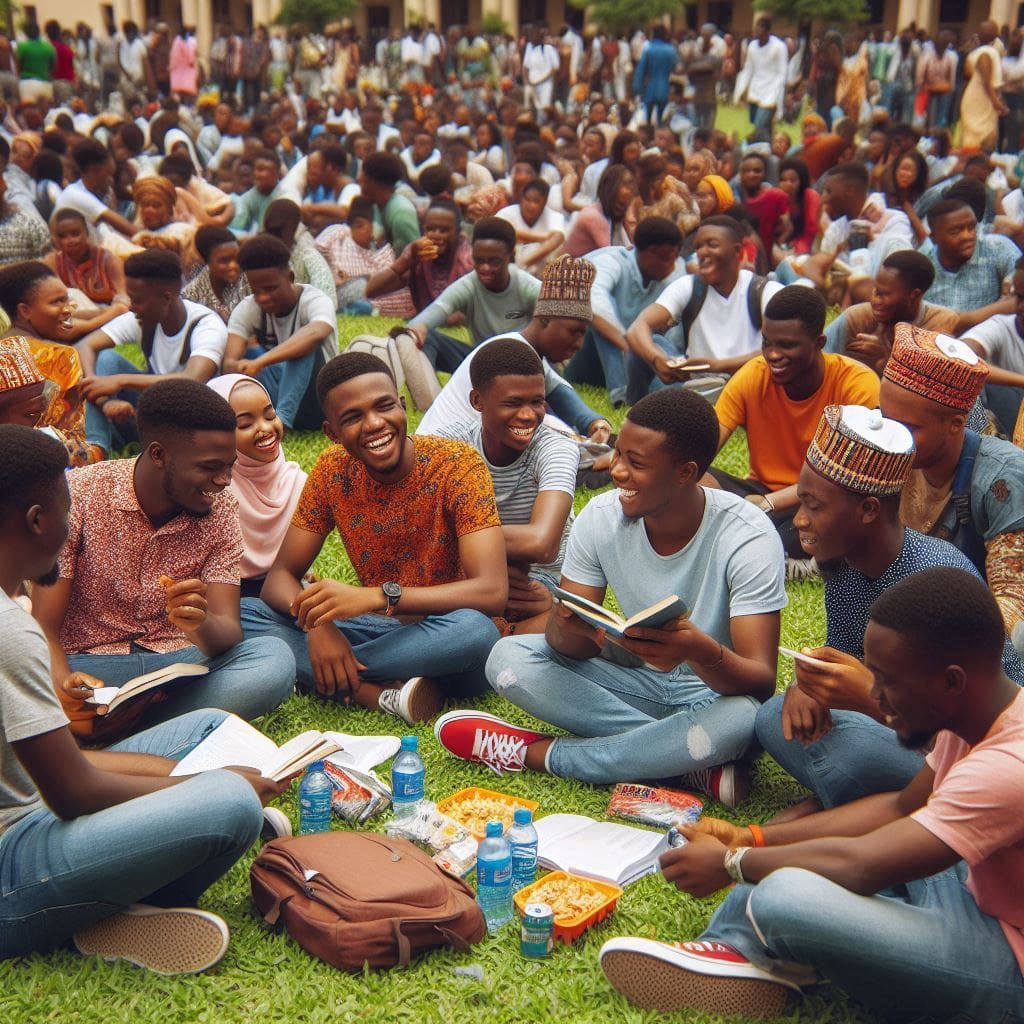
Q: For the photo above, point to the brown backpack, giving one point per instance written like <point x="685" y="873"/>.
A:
<point x="351" y="898"/>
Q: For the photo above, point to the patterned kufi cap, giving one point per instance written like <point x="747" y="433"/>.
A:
<point x="565" y="289"/>
<point x="862" y="451"/>
<point x="936" y="366"/>
<point x="17" y="367"/>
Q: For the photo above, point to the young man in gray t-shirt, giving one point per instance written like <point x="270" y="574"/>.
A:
<point x="676" y="700"/>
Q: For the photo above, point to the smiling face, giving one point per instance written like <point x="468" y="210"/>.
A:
<point x="707" y="200"/>
<point x="491" y="258"/>
<point x="224" y="268"/>
<point x="274" y="289"/>
<point x="48" y="311"/>
<point x="195" y="467"/>
<point x="265" y="175"/>
<point x="789" y="182"/>
<point x="718" y="255"/>
<point x="24" y="406"/>
<point x="150" y="300"/>
<point x="647" y="476"/>
<point x="906" y="173"/>
<point x="892" y="301"/>
<point x="956" y="236"/>
<point x="752" y="175"/>
<point x="531" y="206"/>
<point x="258" y="428"/>
<point x="440" y="226"/>
<point x="790" y="352"/>
<point x="511" y="409"/>
<point x="826" y="518"/>
<point x="154" y="212"/>
<point x="367" y="418"/>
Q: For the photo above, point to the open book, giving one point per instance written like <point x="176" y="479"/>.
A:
<point x="619" y="854"/>
<point x="115" y="696"/>
<point x="235" y="742"/>
<point x="655" y="615"/>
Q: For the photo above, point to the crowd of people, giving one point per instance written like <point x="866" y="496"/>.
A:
<point x="181" y="239"/>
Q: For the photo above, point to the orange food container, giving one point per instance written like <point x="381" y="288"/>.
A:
<point x="569" y="929"/>
<point x="453" y="807"/>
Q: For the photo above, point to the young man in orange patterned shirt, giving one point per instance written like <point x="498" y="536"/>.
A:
<point x="418" y="519"/>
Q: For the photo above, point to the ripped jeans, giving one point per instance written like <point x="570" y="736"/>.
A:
<point x="638" y="723"/>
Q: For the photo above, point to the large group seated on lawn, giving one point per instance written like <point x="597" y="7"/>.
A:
<point x="177" y="295"/>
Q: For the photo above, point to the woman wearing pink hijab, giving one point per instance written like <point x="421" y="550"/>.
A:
<point x="266" y="486"/>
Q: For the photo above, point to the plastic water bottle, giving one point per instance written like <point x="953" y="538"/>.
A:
<point x="315" y="800"/>
<point x="494" y="877"/>
<point x="522" y="838"/>
<point x="407" y="773"/>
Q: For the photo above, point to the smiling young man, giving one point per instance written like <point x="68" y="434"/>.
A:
<point x="178" y="338"/>
<point x="149" y="575"/>
<point x="724" y="331"/>
<point x="295" y="330"/>
<point x="907" y="900"/>
<point x="676" y="700"/>
<point x="778" y="398"/>
<point x="533" y="469"/>
<point x="418" y="521"/>
<point x="251" y="206"/>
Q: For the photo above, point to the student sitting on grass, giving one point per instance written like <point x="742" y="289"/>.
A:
<point x="100" y="846"/>
<point x="149" y="574"/>
<point x="251" y="206"/>
<point x="827" y="730"/>
<point x="540" y="231"/>
<point x="177" y="337"/>
<point x="555" y="331"/>
<point x="533" y="469"/>
<point x="908" y="900"/>
<point x="677" y="700"/>
<point x="282" y="334"/>
<point x="220" y="285"/>
<point x="419" y="524"/>
<point x="778" y="398"/>
<point x="265" y="485"/>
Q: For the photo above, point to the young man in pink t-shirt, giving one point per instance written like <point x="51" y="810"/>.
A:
<point x="911" y="901"/>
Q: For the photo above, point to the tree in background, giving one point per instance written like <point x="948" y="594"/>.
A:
<point x="626" y="15"/>
<point x="827" y="12"/>
<point x="314" y="14"/>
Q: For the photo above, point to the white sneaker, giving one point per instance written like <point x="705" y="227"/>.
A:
<point x="276" y="824"/>
<point x="417" y="701"/>
<point x="165" y="940"/>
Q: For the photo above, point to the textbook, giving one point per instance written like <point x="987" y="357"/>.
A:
<point x="115" y="696"/>
<point x="652" y="617"/>
<point x="236" y="742"/>
<point x="613" y="853"/>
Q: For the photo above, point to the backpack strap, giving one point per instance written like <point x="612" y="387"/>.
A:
<point x="186" y="345"/>
<point x="957" y="524"/>
<point x="693" y="307"/>
<point x="146" y="343"/>
<point x="755" y="293"/>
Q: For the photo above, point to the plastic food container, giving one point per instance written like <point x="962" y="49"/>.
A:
<point x="569" y="929"/>
<point x="455" y="807"/>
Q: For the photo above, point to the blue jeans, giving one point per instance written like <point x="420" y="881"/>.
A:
<point x="166" y="848"/>
<point x="1005" y="402"/>
<point x="451" y="649"/>
<point x="761" y="118"/>
<point x="641" y="378"/>
<point x="939" y="106"/>
<point x="444" y="352"/>
<point x="920" y="950"/>
<point x="292" y="387"/>
<point x="250" y="679"/>
<point x="98" y="429"/>
<point x="640" y="724"/>
<point x="856" y="757"/>
<point x="600" y="363"/>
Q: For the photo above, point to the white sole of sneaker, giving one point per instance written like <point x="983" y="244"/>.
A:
<point x="177" y="940"/>
<point x="421" y="699"/>
<point x="277" y="822"/>
<point x="656" y="977"/>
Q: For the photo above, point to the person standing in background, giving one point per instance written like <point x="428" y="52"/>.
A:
<point x="762" y="79"/>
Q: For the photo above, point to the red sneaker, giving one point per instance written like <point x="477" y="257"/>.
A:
<point x="729" y="784"/>
<point x="485" y="739"/>
<point x="702" y="975"/>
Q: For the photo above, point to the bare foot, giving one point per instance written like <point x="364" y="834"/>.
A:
<point x="800" y="810"/>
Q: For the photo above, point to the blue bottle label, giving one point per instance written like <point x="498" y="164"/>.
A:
<point x="407" y="786"/>
<point x="494" y="872"/>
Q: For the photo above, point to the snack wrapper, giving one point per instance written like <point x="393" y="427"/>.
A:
<point x="357" y="796"/>
<point x="651" y="805"/>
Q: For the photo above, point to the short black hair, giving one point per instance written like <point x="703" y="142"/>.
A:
<point x="853" y="173"/>
<point x="972" y="192"/>
<point x="945" y="614"/>
<point x="943" y="208"/>
<point x="154" y="265"/>
<point x="268" y="156"/>
<point x="210" y="237"/>
<point x="346" y="367"/>
<point x="495" y="229"/>
<point x="537" y="185"/>
<point x="68" y="213"/>
<point x="31" y="462"/>
<point x="688" y="422"/>
<point x="181" y="406"/>
<point x="652" y="231"/>
<point x="726" y="223"/>
<point x="334" y="154"/>
<point x="18" y="282"/>
<point x="384" y="168"/>
<point x="131" y="137"/>
<point x="795" y="302"/>
<point x="436" y="179"/>
<point x="504" y="357"/>
<point x="281" y="215"/>
<point x="445" y="206"/>
<point x="914" y="267"/>
<point x="178" y="165"/>
<point x="754" y="155"/>
<point x="48" y="166"/>
<point x="89" y="153"/>
<point x="361" y="209"/>
<point x="262" y="252"/>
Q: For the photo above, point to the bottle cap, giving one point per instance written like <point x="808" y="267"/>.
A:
<point x="523" y="816"/>
<point x="410" y="742"/>
<point x="495" y="828"/>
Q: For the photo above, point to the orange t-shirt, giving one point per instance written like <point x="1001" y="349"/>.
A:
<point x="779" y="430"/>
<point x="406" y="532"/>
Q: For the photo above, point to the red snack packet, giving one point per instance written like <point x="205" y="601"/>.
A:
<point x="650" y="805"/>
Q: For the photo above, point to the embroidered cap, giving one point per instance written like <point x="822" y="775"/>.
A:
<point x="862" y="451"/>
<point x="565" y="289"/>
<point x="17" y="367"/>
<point x="936" y="366"/>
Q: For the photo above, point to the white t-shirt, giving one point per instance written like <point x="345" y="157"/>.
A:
<point x="208" y="338"/>
<point x="313" y="307"/>
<point x="1013" y="204"/>
<point x="540" y="62"/>
<point x="548" y="221"/>
<point x="1002" y="344"/>
<point x="722" y="329"/>
<point x="77" y="197"/>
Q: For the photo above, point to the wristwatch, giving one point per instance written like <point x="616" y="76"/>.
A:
<point x="393" y="592"/>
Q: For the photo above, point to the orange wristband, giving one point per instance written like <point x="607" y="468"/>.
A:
<point x="756" y="834"/>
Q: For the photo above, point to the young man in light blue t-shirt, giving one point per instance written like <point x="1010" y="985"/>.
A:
<point x="677" y="700"/>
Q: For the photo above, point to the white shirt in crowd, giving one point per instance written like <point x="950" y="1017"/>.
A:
<point x="763" y="75"/>
<point x="208" y="340"/>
